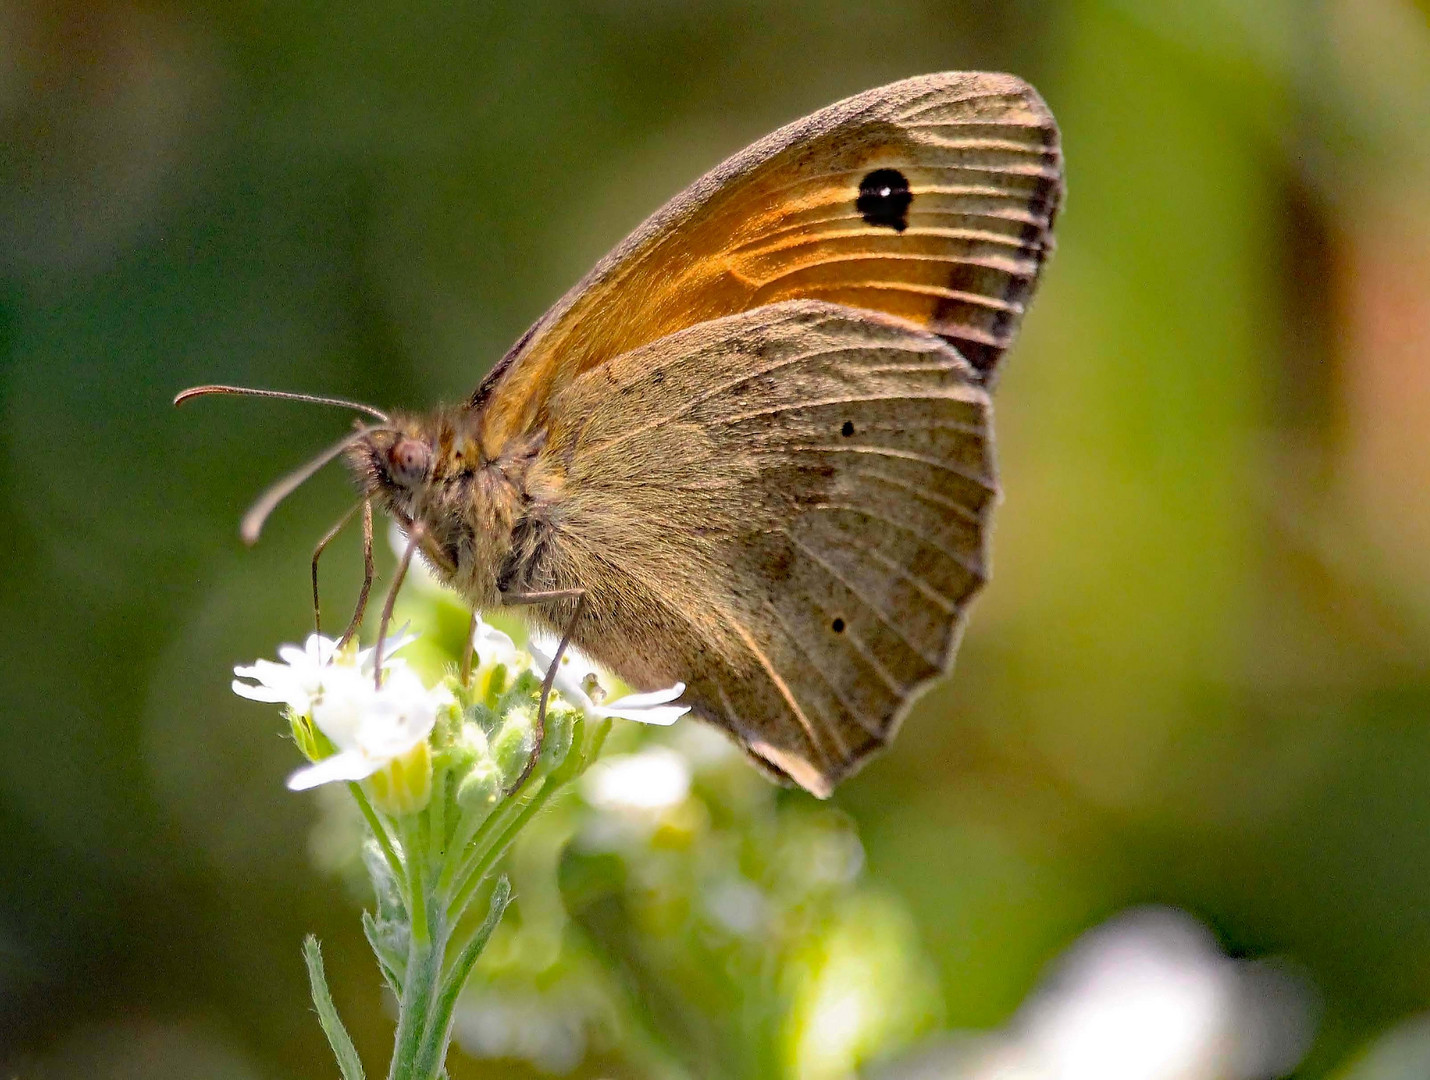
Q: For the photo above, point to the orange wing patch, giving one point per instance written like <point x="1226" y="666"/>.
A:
<point x="931" y="200"/>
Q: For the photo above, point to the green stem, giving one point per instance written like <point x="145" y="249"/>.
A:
<point x="431" y="984"/>
<point x="486" y="856"/>
<point x="438" y="813"/>
<point x="380" y="832"/>
<point x="419" y="991"/>
<point x="433" y="1051"/>
<point x="465" y="836"/>
<point x="499" y="830"/>
<point x="415" y="848"/>
<point x="476" y="846"/>
<point x="349" y="1064"/>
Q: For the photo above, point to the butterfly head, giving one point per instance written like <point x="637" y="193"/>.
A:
<point x="394" y="463"/>
<point x="428" y="472"/>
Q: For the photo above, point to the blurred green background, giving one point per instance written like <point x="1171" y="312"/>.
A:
<point x="1200" y="676"/>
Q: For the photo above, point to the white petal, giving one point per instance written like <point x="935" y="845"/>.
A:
<point x="390" y="645"/>
<point x="659" y="715"/>
<point x="575" y="665"/>
<point x="265" y="671"/>
<point x="492" y="646"/>
<point x="294" y="657"/>
<point x="345" y="766"/>
<point x="541" y="646"/>
<point x="654" y="697"/>
<point x="259" y="693"/>
<point x="348" y="696"/>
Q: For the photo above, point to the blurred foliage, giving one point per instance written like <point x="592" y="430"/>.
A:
<point x="1198" y="678"/>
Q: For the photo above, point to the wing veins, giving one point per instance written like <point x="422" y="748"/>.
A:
<point x="884" y="616"/>
<point x="936" y="597"/>
<point x="864" y="511"/>
<point x="834" y="690"/>
<point x="988" y="303"/>
<point x="878" y="451"/>
<point x="715" y="392"/>
<point x="922" y="493"/>
<point x="802" y="225"/>
<point x="821" y="402"/>
<point x="802" y="237"/>
<point x="786" y="693"/>
<point x="949" y="167"/>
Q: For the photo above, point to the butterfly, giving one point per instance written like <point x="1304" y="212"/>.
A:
<point x="752" y="450"/>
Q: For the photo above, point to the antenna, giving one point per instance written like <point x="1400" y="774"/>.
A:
<point x="252" y="523"/>
<point x="286" y="395"/>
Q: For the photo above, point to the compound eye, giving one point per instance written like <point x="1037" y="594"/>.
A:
<point x="409" y="459"/>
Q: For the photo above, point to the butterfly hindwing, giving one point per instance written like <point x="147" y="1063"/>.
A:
<point x="786" y="509"/>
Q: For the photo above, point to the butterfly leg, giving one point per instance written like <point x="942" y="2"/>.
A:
<point x="469" y="649"/>
<point x="366" y="507"/>
<point x="579" y="595"/>
<point x="327" y="539"/>
<point x="413" y="539"/>
<point x="367" y="574"/>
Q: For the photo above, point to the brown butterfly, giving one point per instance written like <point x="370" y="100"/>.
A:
<point x="752" y="450"/>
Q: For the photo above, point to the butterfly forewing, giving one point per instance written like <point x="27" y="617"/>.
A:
<point x="931" y="199"/>
<point x="786" y="510"/>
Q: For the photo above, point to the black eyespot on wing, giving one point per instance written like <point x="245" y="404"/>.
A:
<point x="837" y="625"/>
<point x="884" y="199"/>
<point x="847" y="429"/>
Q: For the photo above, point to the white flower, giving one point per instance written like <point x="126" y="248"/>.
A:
<point x="1147" y="996"/>
<point x="300" y="678"/>
<point x="369" y="726"/>
<point x="492" y="646"/>
<point x="576" y="673"/>
<point x="650" y="780"/>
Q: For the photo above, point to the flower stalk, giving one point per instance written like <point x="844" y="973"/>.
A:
<point x="431" y="771"/>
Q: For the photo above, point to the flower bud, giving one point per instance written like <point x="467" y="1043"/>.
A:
<point x="305" y="735"/>
<point x="513" y="742"/>
<point x="481" y="788"/>
<point x="492" y="683"/>
<point x="466" y="749"/>
<point x="404" y="784"/>
<point x="560" y="726"/>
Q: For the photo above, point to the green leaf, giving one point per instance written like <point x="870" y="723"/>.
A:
<point x="349" y="1065"/>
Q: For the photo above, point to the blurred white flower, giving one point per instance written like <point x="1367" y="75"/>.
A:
<point x="576" y="674"/>
<point x="1148" y="996"/>
<point x="705" y="747"/>
<point x="739" y="905"/>
<point x="549" y="1034"/>
<point x="650" y="780"/>
<point x="1402" y="1053"/>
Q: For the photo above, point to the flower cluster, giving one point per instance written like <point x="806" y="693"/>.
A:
<point x="353" y="726"/>
<point x="446" y="777"/>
